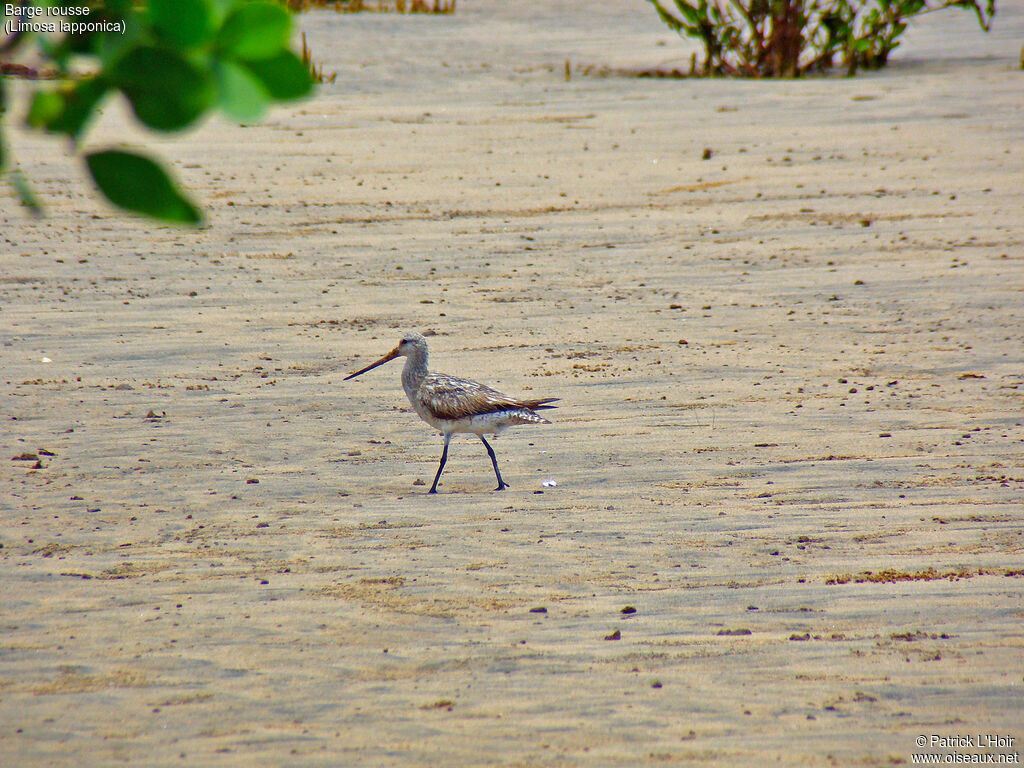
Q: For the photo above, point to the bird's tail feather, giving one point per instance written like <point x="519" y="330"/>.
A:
<point x="539" y="405"/>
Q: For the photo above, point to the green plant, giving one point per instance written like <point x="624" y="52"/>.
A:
<point x="173" y="60"/>
<point x="787" y="38"/>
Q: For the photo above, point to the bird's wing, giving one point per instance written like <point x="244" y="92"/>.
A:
<point x="452" y="398"/>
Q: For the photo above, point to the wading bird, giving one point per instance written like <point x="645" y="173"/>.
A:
<point x="452" y="405"/>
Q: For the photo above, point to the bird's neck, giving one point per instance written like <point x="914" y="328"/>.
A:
<point x="414" y="372"/>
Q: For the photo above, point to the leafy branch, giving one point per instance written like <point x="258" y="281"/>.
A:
<point x="173" y="60"/>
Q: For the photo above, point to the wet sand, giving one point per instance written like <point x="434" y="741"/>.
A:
<point x="784" y="321"/>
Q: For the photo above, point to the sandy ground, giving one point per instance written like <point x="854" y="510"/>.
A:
<point x="781" y="367"/>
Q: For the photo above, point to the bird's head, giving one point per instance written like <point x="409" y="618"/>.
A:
<point x="412" y="343"/>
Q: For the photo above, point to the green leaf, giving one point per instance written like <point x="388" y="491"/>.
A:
<point x="111" y="48"/>
<point x="673" y="23"/>
<point x="182" y="23"/>
<point x="256" y="30"/>
<point x="138" y="184"/>
<point x="241" y="93"/>
<point x="79" y="106"/>
<point x="285" y="76"/>
<point x="25" y="193"/>
<point x="119" y="6"/>
<point x="693" y="15"/>
<point x="166" y="91"/>
<point x="46" y="106"/>
<point x="67" y="111"/>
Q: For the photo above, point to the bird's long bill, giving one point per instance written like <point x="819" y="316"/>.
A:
<point x="389" y="356"/>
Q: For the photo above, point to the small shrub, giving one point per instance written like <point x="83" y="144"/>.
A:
<point x="788" y="38"/>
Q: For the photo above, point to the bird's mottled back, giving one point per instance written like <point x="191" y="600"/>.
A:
<point x="451" y="398"/>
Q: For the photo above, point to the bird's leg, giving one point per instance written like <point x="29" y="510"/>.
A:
<point x="502" y="485"/>
<point x="444" y="458"/>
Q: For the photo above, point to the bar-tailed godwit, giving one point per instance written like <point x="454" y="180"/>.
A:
<point x="453" y="405"/>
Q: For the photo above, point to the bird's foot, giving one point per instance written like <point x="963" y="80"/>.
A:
<point x="432" y="490"/>
<point x="502" y="486"/>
